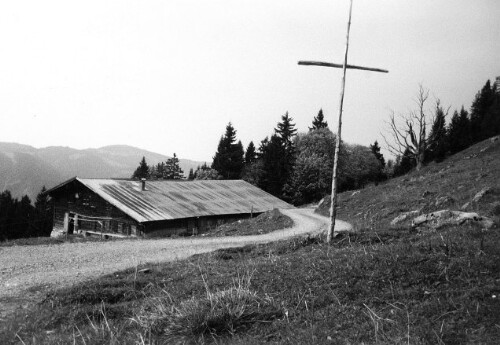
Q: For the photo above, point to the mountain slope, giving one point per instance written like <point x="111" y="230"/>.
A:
<point x="25" y="169"/>
<point x="24" y="173"/>
<point x="450" y="184"/>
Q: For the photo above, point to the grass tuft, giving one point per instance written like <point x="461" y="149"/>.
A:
<point x="218" y="314"/>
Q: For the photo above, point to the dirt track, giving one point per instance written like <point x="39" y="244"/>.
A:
<point x="28" y="271"/>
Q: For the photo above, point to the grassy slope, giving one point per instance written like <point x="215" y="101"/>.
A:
<point x="453" y="182"/>
<point x="383" y="286"/>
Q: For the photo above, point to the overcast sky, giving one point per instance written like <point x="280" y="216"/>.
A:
<point x="168" y="76"/>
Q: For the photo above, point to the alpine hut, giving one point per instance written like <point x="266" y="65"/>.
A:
<point x="118" y="207"/>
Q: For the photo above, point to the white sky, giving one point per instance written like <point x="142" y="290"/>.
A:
<point x="168" y="76"/>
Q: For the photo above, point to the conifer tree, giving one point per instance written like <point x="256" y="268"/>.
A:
<point x="142" y="170"/>
<point x="252" y="171"/>
<point x="43" y="209"/>
<point x="191" y="174"/>
<point x="274" y="166"/>
<point x="459" y="132"/>
<point x="158" y="171"/>
<point x="375" y="148"/>
<point x="17" y="217"/>
<point x="286" y="132"/>
<point x="404" y="163"/>
<point x="172" y="170"/>
<point x="229" y="158"/>
<point x="479" y="112"/>
<point x="277" y="157"/>
<point x="490" y="125"/>
<point x="437" y="137"/>
<point x="379" y="175"/>
<point x="318" y="121"/>
<point x="263" y="144"/>
<point x="250" y="154"/>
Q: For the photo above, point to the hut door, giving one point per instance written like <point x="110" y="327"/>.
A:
<point x="201" y="224"/>
<point x="191" y="226"/>
<point x="71" y="224"/>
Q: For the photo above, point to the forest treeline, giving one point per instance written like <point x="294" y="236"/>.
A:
<point x="19" y="218"/>
<point x="297" y="167"/>
<point x="445" y="138"/>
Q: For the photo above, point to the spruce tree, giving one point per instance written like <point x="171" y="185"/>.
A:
<point x="375" y="148"/>
<point x="43" y="209"/>
<point x="229" y="158"/>
<point x="274" y="167"/>
<point x="379" y="175"/>
<point x="25" y="215"/>
<point x="277" y="157"/>
<point x="490" y="125"/>
<point x="286" y="132"/>
<point x="318" y="121"/>
<point x="263" y="144"/>
<point x="172" y="170"/>
<point x="142" y="170"/>
<point x="437" y="137"/>
<point x="158" y="171"/>
<point x="191" y="174"/>
<point x="250" y="154"/>
<point x="7" y="215"/>
<point x="404" y="163"/>
<point x="252" y="172"/>
<point x="459" y="132"/>
<point x="479" y="112"/>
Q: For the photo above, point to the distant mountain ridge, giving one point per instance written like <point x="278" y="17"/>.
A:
<point x="25" y="169"/>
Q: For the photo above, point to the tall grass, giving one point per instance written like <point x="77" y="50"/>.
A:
<point x="202" y="319"/>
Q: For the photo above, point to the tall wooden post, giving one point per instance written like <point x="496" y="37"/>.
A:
<point x="333" y="206"/>
<point x="66" y="224"/>
<point x="344" y="66"/>
<point x="75" y="224"/>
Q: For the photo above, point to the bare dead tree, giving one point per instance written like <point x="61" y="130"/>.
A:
<point x="408" y="133"/>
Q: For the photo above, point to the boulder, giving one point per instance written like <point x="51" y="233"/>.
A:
<point x="426" y="194"/>
<point x="442" y="218"/>
<point x="322" y="202"/>
<point x="403" y="217"/>
<point x="465" y="206"/>
<point x="58" y="233"/>
<point x="481" y="194"/>
<point x="444" y="201"/>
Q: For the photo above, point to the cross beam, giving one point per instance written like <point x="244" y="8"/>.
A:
<point x="336" y="65"/>
<point x="344" y="66"/>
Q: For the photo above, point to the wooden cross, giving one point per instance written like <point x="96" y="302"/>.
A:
<point x="344" y="66"/>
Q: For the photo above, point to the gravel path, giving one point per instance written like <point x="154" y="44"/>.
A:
<point x="26" y="272"/>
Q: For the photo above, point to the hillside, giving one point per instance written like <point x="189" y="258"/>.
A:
<point x="380" y="285"/>
<point x="451" y="184"/>
<point x="25" y="169"/>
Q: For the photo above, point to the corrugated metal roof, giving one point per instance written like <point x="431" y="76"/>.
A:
<point x="164" y="200"/>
